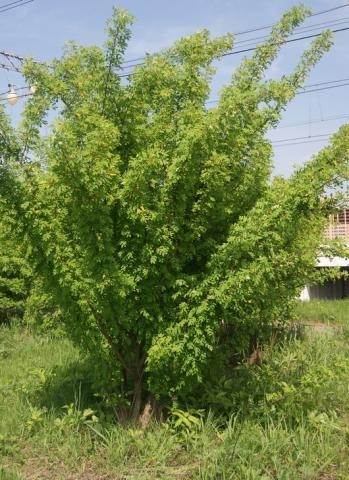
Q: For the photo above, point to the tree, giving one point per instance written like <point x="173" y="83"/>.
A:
<point x="152" y="219"/>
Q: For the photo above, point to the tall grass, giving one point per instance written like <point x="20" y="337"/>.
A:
<point x="288" y="419"/>
<point x="324" y="311"/>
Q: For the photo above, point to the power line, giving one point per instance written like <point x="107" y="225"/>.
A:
<point x="18" y="96"/>
<point x="324" y="88"/>
<point x="308" y="29"/>
<point x="301" y="143"/>
<point x="302" y="138"/>
<point x="330" y="10"/>
<point x="321" y="12"/>
<point x="257" y="29"/>
<point x="326" y="83"/>
<point x="245" y="50"/>
<point x="286" y="41"/>
<point x="277" y="143"/>
<point x="313" y="122"/>
<point x="7" y="67"/>
<point x="14" y="61"/>
<point x="324" y="120"/>
<point x="2" y="10"/>
<point x="12" y="3"/>
<point x="307" y="88"/>
<point x="234" y="52"/>
<point x="16" y="89"/>
<point x="12" y="55"/>
<point x="300" y="92"/>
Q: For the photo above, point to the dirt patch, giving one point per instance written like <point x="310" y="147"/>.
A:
<point x="40" y="469"/>
<point x="319" y="327"/>
<point x="37" y="470"/>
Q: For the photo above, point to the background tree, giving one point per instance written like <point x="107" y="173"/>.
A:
<point x="151" y="219"/>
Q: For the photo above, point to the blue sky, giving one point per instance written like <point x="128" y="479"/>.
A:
<point x="41" y="28"/>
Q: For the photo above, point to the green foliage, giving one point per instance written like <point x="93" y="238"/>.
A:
<point x="75" y="418"/>
<point x="35" y="418"/>
<point x="188" y="424"/>
<point x="41" y="312"/>
<point x="151" y="220"/>
<point x="299" y="376"/>
<point x="15" y="274"/>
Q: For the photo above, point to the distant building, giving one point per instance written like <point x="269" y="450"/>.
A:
<point x="338" y="228"/>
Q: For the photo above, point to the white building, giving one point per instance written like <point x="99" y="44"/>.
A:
<point x="337" y="228"/>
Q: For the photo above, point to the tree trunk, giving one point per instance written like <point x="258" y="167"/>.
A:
<point x="137" y="400"/>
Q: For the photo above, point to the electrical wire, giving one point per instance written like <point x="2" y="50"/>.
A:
<point x="301" y="143"/>
<point x="330" y="10"/>
<point x="286" y="41"/>
<point x="16" y="89"/>
<point x="15" y="6"/>
<point x="313" y="122"/>
<point x="11" y="65"/>
<point x="326" y="83"/>
<point x="307" y="87"/>
<point x="11" y="55"/>
<point x="302" y="138"/>
<point x="245" y="50"/>
<point x="233" y="52"/>
<point x="18" y="96"/>
<point x="324" y="88"/>
<point x="244" y="43"/>
<point x="321" y="12"/>
<point x="276" y="143"/>
<point x="311" y="28"/>
<point x="257" y="29"/>
<point x="10" y="4"/>
<point x="8" y="68"/>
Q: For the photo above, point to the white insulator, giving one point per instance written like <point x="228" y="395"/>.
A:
<point x="12" y="97"/>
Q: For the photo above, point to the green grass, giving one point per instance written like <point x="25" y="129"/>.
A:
<point x="324" y="311"/>
<point x="6" y="475"/>
<point x="288" y="420"/>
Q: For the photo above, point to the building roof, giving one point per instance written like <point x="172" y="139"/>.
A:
<point x="332" y="262"/>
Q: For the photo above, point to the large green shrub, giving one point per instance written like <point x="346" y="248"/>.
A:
<point x="152" y="219"/>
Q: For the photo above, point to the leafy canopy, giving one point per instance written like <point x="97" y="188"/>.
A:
<point x="152" y="219"/>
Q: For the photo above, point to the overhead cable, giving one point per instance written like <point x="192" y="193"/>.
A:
<point x="245" y="50"/>
<point x="302" y="138"/>
<point x="2" y="10"/>
<point x="331" y="118"/>
<point x="257" y="29"/>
